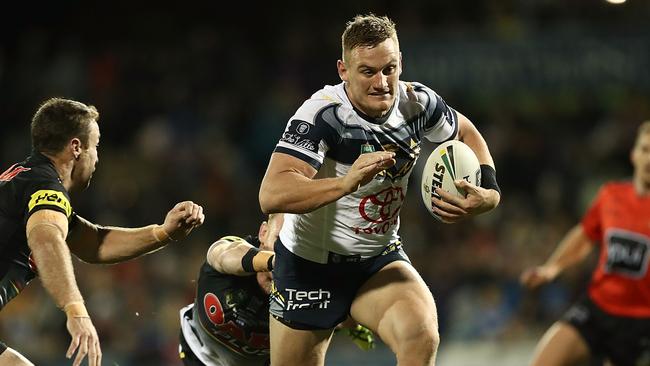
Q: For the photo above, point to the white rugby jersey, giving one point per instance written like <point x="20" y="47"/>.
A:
<point x="329" y="133"/>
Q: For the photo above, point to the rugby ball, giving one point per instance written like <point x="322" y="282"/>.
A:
<point x="449" y="161"/>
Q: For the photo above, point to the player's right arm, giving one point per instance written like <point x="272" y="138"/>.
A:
<point x="46" y="231"/>
<point x="289" y="185"/>
<point x="574" y="247"/>
<point x="235" y="256"/>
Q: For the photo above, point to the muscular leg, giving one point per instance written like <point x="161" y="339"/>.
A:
<point x="297" y="347"/>
<point x="12" y="358"/>
<point x="561" y="345"/>
<point x="397" y="305"/>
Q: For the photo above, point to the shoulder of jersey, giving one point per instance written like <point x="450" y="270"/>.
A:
<point x="43" y="173"/>
<point x="31" y="172"/>
<point x="324" y="98"/>
<point x="617" y="186"/>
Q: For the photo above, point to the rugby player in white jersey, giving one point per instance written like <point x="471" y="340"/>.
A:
<point x="340" y="174"/>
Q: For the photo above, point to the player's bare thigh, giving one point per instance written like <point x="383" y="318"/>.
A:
<point x="12" y="358"/>
<point x="297" y="347"/>
<point x="395" y="301"/>
<point x="561" y="345"/>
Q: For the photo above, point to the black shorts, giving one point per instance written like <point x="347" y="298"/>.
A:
<point x="185" y="353"/>
<point x="622" y="340"/>
<point x="308" y="295"/>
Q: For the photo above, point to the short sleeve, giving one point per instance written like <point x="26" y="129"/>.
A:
<point x="439" y="122"/>
<point x="309" y="139"/>
<point x="592" y="220"/>
<point x="46" y="195"/>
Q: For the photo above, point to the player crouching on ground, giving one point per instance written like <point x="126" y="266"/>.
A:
<point x="228" y="323"/>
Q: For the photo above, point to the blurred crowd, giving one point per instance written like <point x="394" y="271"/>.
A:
<point x="193" y="99"/>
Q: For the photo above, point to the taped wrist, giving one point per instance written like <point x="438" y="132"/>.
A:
<point x="76" y="309"/>
<point x="160" y="234"/>
<point x="257" y="261"/>
<point x="489" y="178"/>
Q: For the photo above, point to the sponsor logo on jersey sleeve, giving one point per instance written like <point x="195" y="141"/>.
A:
<point x="298" y="134"/>
<point x="48" y="197"/>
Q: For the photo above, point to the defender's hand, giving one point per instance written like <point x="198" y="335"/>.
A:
<point x="85" y="340"/>
<point x="181" y="219"/>
<point x="365" y="168"/>
<point x="477" y="200"/>
<point x="536" y="276"/>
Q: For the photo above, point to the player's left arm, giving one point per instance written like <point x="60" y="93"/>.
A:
<point x="108" y="244"/>
<point x="235" y="256"/>
<point x="478" y="199"/>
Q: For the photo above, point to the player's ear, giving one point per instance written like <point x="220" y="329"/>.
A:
<point x="264" y="229"/>
<point x="343" y="71"/>
<point x="75" y="147"/>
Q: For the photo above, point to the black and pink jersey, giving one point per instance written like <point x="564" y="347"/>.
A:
<point x="25" y="188"/>
<point x="228" y="324"/>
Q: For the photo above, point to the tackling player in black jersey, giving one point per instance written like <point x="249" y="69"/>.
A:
<point x="228" y="323"/>
<point x="39" y="228"/>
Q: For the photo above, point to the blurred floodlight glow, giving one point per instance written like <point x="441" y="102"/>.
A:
<point x="615" y="1"/>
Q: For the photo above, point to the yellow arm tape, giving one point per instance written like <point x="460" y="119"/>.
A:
<point x="48" y="197"/>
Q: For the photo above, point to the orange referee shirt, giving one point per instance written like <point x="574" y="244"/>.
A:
<point x="619" y="219"/>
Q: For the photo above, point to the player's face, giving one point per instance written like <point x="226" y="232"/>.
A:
<point x="85" y="166"/>
<point x="372" y="75"/>
<point x="641" y="159"/>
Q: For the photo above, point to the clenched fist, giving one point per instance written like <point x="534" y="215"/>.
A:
<point x="182" y="219"/>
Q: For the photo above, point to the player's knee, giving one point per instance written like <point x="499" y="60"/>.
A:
<point x="421" y="337"/>
<point x="418" y="347"/>
<point x="428" y="339"/>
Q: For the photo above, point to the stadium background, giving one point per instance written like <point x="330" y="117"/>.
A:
<point x="194" y="96"/>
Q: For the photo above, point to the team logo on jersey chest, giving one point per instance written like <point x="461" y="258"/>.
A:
<point x="405" y="159"/>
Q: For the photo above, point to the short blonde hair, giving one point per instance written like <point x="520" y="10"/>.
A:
<point x="367" y="30"/>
